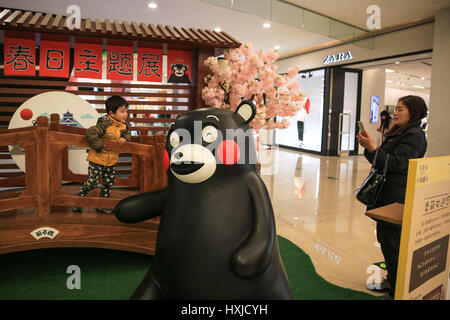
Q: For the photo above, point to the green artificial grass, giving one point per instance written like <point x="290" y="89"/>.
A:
<point x="306" y="284"/>
<point x="114" y="275"/>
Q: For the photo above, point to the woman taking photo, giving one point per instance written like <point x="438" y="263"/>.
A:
<point x="405" y="141"/>
<point x="386" y="124"/>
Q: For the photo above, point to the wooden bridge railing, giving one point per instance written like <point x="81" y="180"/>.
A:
<point x="46" y="165"/>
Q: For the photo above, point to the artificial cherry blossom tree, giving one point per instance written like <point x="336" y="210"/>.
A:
<point x="243" y="74"/>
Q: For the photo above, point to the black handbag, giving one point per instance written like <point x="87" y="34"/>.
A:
<point x="369" y="190"/>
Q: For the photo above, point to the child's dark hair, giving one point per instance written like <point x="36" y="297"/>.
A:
<point x="114" y="102"/>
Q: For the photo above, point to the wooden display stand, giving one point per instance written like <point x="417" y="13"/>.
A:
<point x="392" y="213"/>
<point x="47" y="167"/>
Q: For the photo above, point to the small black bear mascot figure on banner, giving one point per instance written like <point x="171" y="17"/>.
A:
<point x="217" y="237"/>
<point x="179" y="73"/>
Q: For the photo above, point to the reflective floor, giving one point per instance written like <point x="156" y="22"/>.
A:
<point x="315" y="208"/>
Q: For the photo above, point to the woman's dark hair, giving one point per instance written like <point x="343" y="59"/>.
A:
<point x="114" y="102"/>
<point x="416" y="106"/>
<point x="385" y="123"/>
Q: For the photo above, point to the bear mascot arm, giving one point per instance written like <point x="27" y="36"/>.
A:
<point x="255" y="253"/>
<point x="141" y="207"/>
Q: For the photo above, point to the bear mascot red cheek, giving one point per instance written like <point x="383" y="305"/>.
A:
<point x="217" y="237"/>
<point x="228" y="152"/>
<point x="166" y="160"/>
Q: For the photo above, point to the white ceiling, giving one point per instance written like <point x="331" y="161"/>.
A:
<point x="242" y="26"/>
<point x="409" y="72"/>
<point x="392" y="11"/>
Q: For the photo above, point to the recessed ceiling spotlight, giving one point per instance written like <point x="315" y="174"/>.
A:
<point x="217" y="29"/>
<point x="266" y="25"/>
<point x="152" y="5"/>
<point x="277" y="47"/>
<point x="397" y="62"/>
<point x="389" y="81"/>
<point x="423" y="78"/>
<point x="389" y="70"/>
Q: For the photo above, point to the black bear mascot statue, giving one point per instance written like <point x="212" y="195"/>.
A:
<point x="217" y="237"/>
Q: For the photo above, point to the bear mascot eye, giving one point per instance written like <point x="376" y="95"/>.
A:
<point x="174" y="139"/>
<point x="209" y="134"/>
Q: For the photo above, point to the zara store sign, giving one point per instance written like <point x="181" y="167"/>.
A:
<point x="337" y="57"/>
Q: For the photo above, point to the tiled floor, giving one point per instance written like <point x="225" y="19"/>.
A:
<point x="315" y="208"/>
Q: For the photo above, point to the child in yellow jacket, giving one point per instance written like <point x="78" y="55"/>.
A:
<point x="102" y="162"/>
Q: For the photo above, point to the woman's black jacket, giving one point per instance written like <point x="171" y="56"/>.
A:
<point x="409" y="143"/>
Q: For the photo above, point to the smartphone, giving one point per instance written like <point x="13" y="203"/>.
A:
<point x="361" y="127"/>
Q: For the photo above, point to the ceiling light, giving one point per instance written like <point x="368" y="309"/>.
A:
<point x="277" y="47"/>
<point x="152" y="5"/>
<point x="389" y="70"/>
<point x="419" y="87"/>
<point x="389" y="81"/>
<point x="217" y="29"/>
<point x="397" y="62"/>
<point x="423" y="78"/>
<point x="266" y="25"/>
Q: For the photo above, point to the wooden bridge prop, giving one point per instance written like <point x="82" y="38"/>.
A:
<point x="40" y="216"/>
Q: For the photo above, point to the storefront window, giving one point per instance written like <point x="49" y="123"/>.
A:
<point x="305" y="129"/>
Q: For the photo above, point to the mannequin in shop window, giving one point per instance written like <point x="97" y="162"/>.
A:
<point x="301" y="115"/>
<point x="406" y="140"/>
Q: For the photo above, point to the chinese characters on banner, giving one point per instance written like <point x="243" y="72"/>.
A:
<point x="149" y="64"/>
<point x="88" y="60"/>
<point x="119" y="65"/>
<point x="19" y="54"/>
<point x="179" y="65"/>
<point x="54" y="58"/>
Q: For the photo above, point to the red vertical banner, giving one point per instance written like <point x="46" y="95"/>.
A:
<point x="19" y="54"/>
<point x="88" y="58"/>
<point x="120" y="64"/>
<point x="54" y="60"/>
<point x="179" y="66"/>
<point x="149" y="63"/>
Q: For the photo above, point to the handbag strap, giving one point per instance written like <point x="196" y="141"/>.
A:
<point x="386" y="164"/>
<point x="375" y="160"/>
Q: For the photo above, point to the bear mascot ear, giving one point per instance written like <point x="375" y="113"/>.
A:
<point x="246" y="110"/>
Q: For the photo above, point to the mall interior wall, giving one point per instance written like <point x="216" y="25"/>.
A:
<point x="373" y="84"/>
<point x="402" y="42"/>
<point x="411" y="40"/>
<point x="391" y="95"/>
<point x="438" y="122"/>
